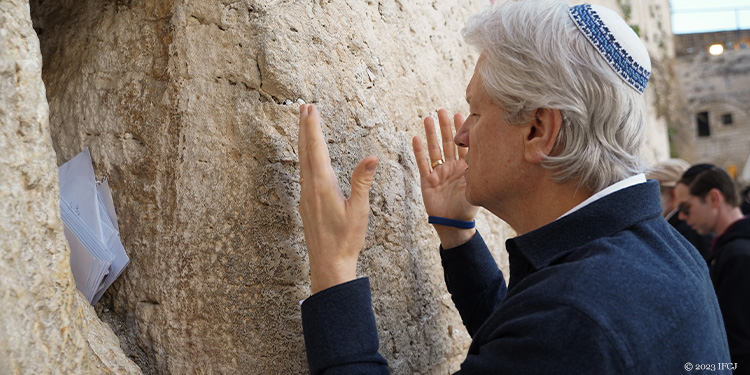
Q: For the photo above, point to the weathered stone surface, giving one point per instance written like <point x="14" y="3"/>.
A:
<point x="46" y="325"/>
<point x="718" y="86"/>
<point x="190" y="111"/>
<point x="190" y="108"/>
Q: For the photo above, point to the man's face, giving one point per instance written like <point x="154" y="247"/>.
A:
<point x="495" y="154"/>
<point x="697" y="212"/>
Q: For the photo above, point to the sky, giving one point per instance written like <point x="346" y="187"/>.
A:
<point x="696" y="16"/>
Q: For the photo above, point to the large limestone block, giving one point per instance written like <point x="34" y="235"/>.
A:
<point x="46" y="325"/>
<point x="190" y="109"/>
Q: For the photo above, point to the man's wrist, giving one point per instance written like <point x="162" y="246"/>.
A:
<point x="324" y="277"/>
<point x="451" y="237"/>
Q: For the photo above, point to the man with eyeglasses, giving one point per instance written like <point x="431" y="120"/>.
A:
<point x="709" y="203"/>
<point x="669" y="173"/>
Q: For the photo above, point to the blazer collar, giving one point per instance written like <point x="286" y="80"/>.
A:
<point x="601" y="218"/>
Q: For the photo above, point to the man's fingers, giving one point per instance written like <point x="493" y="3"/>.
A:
<point x="315" y="146"/>
<point x="433" y="144"/>
<point x="361" y="182"/>
<point x="302" y="152"/>
<point x="423" y="162"/>
<point x="446" y="135"/>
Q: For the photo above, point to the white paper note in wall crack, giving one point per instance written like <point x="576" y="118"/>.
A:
<point x="97" y="256"/>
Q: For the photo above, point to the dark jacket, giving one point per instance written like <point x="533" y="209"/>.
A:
<point x="730" y="273"/>
<point x="609" y="289"/>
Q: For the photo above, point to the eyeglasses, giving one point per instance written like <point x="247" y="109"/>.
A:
<point x="685" y="209"/>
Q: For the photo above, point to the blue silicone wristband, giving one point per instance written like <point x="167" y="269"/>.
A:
<point x="450" y="222"/>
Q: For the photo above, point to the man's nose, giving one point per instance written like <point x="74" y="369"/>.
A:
<point x="461" y="139"/>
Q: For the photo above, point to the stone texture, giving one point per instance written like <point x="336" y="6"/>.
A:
<point x="719" y="85"/>
<point x="652" y="20"/>
<point x="46" y="325"/>
<point x="189" y="108"/>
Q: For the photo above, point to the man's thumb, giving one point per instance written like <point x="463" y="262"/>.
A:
<point x="362" y="180"/>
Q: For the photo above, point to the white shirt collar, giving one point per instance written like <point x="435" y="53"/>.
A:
<point x="628" y="182"/>
<point x="672" y="213"/>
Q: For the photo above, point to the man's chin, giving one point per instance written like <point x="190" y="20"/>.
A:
<point x="468" y="196"/>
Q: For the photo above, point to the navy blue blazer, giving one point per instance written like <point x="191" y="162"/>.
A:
<point x="609" y="289"/>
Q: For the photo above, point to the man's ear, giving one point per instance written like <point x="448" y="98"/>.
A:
<point x="715" y="198"/>
<point x="542" y="134"/>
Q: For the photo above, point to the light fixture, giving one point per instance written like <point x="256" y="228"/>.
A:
<point x="716" y="49"/>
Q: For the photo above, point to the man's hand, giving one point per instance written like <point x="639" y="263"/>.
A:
<point x="444" y="186"/>
<point x="334" y="226"/>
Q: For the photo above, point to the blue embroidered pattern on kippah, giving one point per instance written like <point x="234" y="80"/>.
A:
<point x="618" y="58"/>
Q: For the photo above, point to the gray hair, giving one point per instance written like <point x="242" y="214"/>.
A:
<point x="535" y="57"/>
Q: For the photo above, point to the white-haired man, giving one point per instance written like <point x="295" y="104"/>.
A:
<point x="599" y="282"/>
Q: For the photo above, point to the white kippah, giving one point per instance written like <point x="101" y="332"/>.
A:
<point x="615" y="41"/>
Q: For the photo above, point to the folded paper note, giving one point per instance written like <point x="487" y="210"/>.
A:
<point x="97" y="256"/>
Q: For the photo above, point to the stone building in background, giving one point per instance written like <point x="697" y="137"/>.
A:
<point x="189" y="108"/>
<point x="716" y="89"/>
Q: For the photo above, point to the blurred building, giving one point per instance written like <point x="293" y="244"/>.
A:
<point x="691" y="44"/>
<point x="713" y="73"/>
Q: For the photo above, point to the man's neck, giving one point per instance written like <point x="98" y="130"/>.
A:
<point x="636" y="179"/>
<point x="545" y="202"/>
<point x="727" y="218"/>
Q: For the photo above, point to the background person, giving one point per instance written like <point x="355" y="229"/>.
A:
<point x="745" y="197"/>
<point x="669" y="173"/>
<point x="712" y="206"/>
<point x="599" y="283"/>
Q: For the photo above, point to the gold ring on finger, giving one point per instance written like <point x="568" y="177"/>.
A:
<point x="437" y="163"/>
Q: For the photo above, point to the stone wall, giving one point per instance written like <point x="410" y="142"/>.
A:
<point x="189" y="108"/>
<point x="691" y="44"/>
<point x="720" y="86"/>
<point x="651" y="19"/>
<point x="46" y="325"/>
